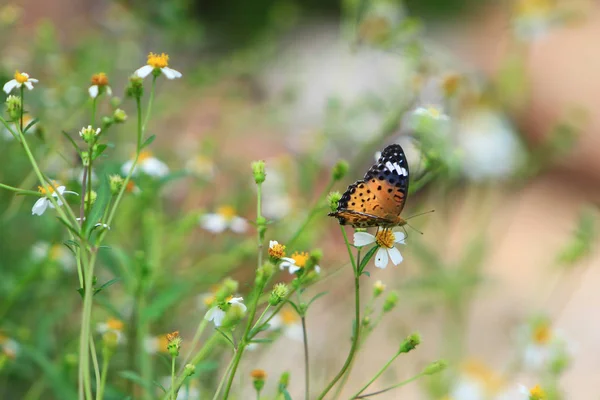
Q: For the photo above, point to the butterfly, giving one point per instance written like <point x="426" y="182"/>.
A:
<point x="378" y="198"/>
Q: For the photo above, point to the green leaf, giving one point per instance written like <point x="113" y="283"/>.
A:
<point x="316" y="297"/>
<point x="106" y="285"/>
<point x="367" y="258"/>
<point x="262" y="340"/>
<point x="367" y="273"/>
<point x="60" y="384"/>
<point x="98" y="208"/>
<point x="285" y="393"/>
<point x="226" y="337"/>
<point x="148" y="141"/>
<point x="75" y="146"/>
<point x="164" y="301"/>
<point x="295" y="306"/>
<point x="258" y="329"/>
<point x="30" y="124"/>
<point x="76" y="232"/>
<point x="72" y="246"/>
<point x="98" y="150"/>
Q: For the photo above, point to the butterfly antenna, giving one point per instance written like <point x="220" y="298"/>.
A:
<point x="413" y="228"/>
<point x="419" y="214"/>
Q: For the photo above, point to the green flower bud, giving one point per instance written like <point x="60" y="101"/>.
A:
<point x="116" y="184"/>
<point x="258" y="379"/>
<point x="284" y="381"/>
<point x="135" y="88"/>
<point x="390" y="301"/>
<point x="333" y="199"/>
<point x="410" y="343"/>
<point x="189" y="369"/>
<point x="378" y="288"/>
<point x="90" y="199"/>
<point x="107" y="122"/>
<point x="435" y="367"/>
<point x="110" y="340"/>
<point x="174" y="343"/>
<point x="119" y="116"/>
<point x="13" y="107"/>
<point x="340" y="169"/>
<point x="89" y="134"/>
<point x="85" y="158"/>
<point x="278" y="294"/>
<point x="258" y="169"/>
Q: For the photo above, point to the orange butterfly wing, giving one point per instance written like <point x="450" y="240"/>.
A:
<point x="378" y="199"/>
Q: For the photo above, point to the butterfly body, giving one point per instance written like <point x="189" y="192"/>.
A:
<point x="378" y="198"/>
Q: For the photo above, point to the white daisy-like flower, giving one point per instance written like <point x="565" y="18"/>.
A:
<point x="289" y="322"/>
<point x="9" y="347"/>
<point x="541" y="344"/>
<point x="99" y="85"/>
<point x="21" y="78"/>
<point x="217" y="313"/>
<point x="224" y="218"/>
<point x="156" y="344"/>
<point x="386" y="240"/>
<point x="57" y="253"/>
<point x="157" y="62"/>
<point x="113" y="325"/>
<point x="296" y="262"/>
<point x="40" y="206"/>
<point x="478" y="382"/>
<point x="148" y="164"/>
<point x="433" y="112"/>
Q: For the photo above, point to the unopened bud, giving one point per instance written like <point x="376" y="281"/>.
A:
<point x="410" y="343"/>
<point x="340" y="169"/>
<point x="258" y="170"/>
<point x="435" y="367"/>
<point x="390" y="301"/>
<point x="278" y="294"/>
<point x="333" y="199"/>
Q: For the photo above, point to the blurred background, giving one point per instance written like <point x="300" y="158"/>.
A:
<point x="492" y="101"/>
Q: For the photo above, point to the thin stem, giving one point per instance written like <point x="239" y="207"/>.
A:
<point x="377" y="375"/>
<point x="84" y="371"/>
<point x="414" y="378"/>
<point x="195" y="340"/>
<point x="260" y="230"/>
<point x="173" y="378"/>
<point x="306" y="365"/>
<point x="95" y="360"/>
<point x="311" y="214"/>
<point x="83" y="190"/>
<point x="356" y="333"/>
<point x="20" y="191"/>
<point x="261" y="316"/>
<point x="150" y="103"/>
<point x="100" y="392"/>
<point x="222" y="381"/>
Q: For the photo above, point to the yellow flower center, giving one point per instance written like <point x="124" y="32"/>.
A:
<point x="385" y="238"/>
<point x="489" y="380"/>
<point x="542" y="334"/>
<point x="226" y="212"/>
<point x="100" y="79"/>
<point x="21" y="77"/>
<point x="114" y="324"/>
<point x="536" y="393"/>
<point x="50" y="189"/>
<point x="55" y="251"/>
<point x="288" y="317"/>
<point x="379" y="286"/>
<point x="434" y="112"/>
<point x="158" y="61"/>
<point x="277" y="251"/>
<point x="208" y="300"/>
<point x="300" y="259"/>
<point x="163" y="343"/>
<point x="144" y="155"/>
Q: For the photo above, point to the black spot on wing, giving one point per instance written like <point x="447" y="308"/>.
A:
<point x="393" y="154"/>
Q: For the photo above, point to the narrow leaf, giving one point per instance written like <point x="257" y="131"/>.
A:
<point x="367" y="258"/>
<point x="75" y="146"/>
<point x="148" y="141"/>
<point x="106" y="285"/>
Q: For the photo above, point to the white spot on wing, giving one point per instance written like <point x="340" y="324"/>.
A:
<point x="390" y="166"/>
<point x="404" y="172"/>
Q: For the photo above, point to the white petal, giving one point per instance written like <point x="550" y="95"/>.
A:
<point x="238" y="224"/>
<point x="399" y="237"/>
<point x="317" y="269"/>
<point x="293" y="268"/>
<point x="286" y="263"/>
<point x="144" y="71"/>
<point x="381" y="258"/>
<point x="242" y="306"/>
<point x="108" y="91"/>
<point x="32" y="80"/>
<point x="395" y="255"/>
<point x="236" y="300"/>
<point x="272" y="243"/>
<point x="154" y="167"/>
<point x="40" y="206"/>
<point x="93" y="91"/>
<point x="218" y="317"/>
<point x="214" y="223"/>
<point x="275" y="322"/>
<point x="126" y="167"/>
<point x="10" y="85"/>
<point x="171" y="73"/>
<point x="28" y="85"/>
<point x="363" y="239"/>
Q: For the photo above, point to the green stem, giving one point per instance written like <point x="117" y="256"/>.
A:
<point x="261" y="316"/>
<point x="311" y="214"/>
<point x="356" y="333"/>
<point x="95" y="360"/>
<point x="222" y="381"/>
<point x="21" y="191"/>
<point x="84" y="370"/>
<point x="414" y="378"/>
<point x="377" y="375"/>
<point x="105" y="362"/>
<point x="306" y="364"/>
<point x="150" y="103"/>
<point x="173" y="378"/>
<point x="195" y="340"/>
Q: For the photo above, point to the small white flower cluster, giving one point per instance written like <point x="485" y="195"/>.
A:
<point x="387" y="251"/>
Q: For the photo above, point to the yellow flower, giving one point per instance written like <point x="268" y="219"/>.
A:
<point x="160" y="64"/>
<point x="21" y="78"/>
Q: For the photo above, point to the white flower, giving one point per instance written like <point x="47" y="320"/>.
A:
<point x="159" y="63"/>
<point x="89" y="131"/>
<point x="386" y="239"/>
<point x="43" y="203"/>
<point x="99" y="81"/>
<point x="224" y="218"/>
<point x="58" y="253"/>
<point x="112" y="325"/>
<point x="290" y="324"/>
<point x="149" y="165"/>
<point x="217" y="314"/>
<point x="9" y="347"/>
<point x="432" y="112"/>
<point x="296" y="262"/>
<point x="542" y="345"/>
<point x="20" y="80"/>
<point x="478" y="382"/>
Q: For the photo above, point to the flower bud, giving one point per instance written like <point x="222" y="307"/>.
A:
<point x="174" y="343"/>
<point x="135" y="88"/>
<point x="284" y="381"/>
<point x="378" y="288"/>
<point x="119" y="116"/>
<point x="189" y="369"/>
<point x="340" y="169"/>
<point x="116" y="184"/>
<point x="435" y="367"/>
<point x="278" y="294"/>
<point x="263" y="273"/>
<point x="258" y="170"/>
<point x="110" y="340"/>
<point x="410" y="343"/>
<point x="333" y="199"/>
<point x="228" y="287"/>
<point x="89" y="134"/>
<point x="90" y="199"/>
<point x="258" y="379"/>
<point x="390" y="301"/>
<point x="13" y="107"/>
